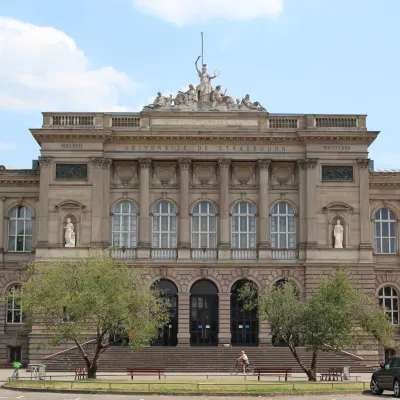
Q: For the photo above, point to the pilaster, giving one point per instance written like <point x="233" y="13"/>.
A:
<point x="263" y="201"/>
<point x="311" y="172"/>
<point x="184" y="231"/>
<point x="224" y="335"/>
<point x="2" y="228"/>
<point x="302" y="229"/>
<point x="224" y="181"/>
<point x="183" y="319"/>
<point x="144" y="217"/>
<point x="106" y="235"/>
<point x="97" y="200"/>
<point x="43" y="210"/>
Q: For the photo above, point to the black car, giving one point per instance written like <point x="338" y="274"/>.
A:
<point x="387" y="377"/>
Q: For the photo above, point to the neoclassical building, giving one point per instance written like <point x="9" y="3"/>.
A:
<point x="209" y="195"/>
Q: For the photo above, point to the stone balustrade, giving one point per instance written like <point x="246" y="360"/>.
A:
<point x="285" y="254"/>
<point x="164" y="254"/>
<point x="204" y="254"/>
<point x="127" y="254"/>
<point x="136" y="121"/>
<point x="244" y="254"/>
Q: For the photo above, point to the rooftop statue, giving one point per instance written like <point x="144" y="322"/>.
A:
<point x="204" y="88"/>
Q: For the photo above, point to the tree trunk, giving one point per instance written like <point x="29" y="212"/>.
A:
<point x="92" y="370"/>
<point x="308" y="371"/>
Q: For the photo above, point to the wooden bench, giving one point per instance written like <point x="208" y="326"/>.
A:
<point x="80" y="373"/>
<point x="146" y="371"/>
<point x="274" y="372"/>
<point x="333" y="374"/>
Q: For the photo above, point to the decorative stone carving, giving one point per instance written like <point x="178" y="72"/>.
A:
<point x="247" y="104"/>
<point x="164" y="175"/>
<point x="245" y="272"/>
<point x="204" y="175"/>
<point x="282" y="176"/>
<point x="44" y="161"/>
<point x="308" y="163"/>
<point x="101" y="162"/>
<point x="184" y="163"/>
<point x="204" y="89"/>
<point x="338" y="235"/>
<point x="125" y="175"/>
<point x="264" y="164"/>
<point x="337" y="173"/>
<point x="69" y="234"/>
<point x="204" y="272"/>
<point x="71" y="171"/>
<point x="186" y="98"/>
<point x="338" y="208"/>
<point x="224" y="163"/>
<point x="364" y="162"/>
<point x="243" y="175"/>
<point x="161" y="101"/>
<point x="285" y="272"/>
<point x="218" y="98"/>
<point x="163" y="272"/>
<point x="144" y="163"/>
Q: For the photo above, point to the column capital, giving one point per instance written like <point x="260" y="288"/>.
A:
<point x="184" y="163"/>
<point x="224" y="163"/>
<point x="264" y="164"/>
<point x="144" y="163"/>
<point x="308" y="163"/>
<point x="45" y="161"/>
<point x="101" y="162"/>
<point x="3" y="199"/>
<point x="363" y="162"/>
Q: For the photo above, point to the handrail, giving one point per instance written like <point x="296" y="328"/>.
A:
<point x="345" y="352"/>
<point x="71" y="348"/>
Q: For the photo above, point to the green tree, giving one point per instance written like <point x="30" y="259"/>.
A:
<point x="329" y="320"/>
<point x="87" y="298"/>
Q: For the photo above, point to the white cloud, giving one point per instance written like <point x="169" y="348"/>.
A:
<point x="42" y="68"/>
<point x="182" y="12"/>
<point x="7" y="146"/>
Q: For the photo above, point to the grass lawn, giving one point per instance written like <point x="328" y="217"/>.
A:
<point x="192" y="385"/>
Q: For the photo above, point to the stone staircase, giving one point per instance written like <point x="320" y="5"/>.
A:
<point x="202" y="359"/>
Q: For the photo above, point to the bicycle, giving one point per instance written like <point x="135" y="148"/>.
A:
<point x="238" y="368"/>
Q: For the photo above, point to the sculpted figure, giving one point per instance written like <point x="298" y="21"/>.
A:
<point x="69" y="234"/>
<point x="246" y="103"/>
<point x="205" y="82"/>
<point x="219" y="98"/>
<point x="186" y="98"/>
<point x="159" y="101"/>
<point x="338" y="235"/>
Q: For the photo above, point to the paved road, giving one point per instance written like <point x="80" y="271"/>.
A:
<point x="12" y="395"/>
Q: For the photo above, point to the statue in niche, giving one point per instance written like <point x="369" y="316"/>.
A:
<point x="69" y="234"/>
<point x="338" y="235"/>
<point x="205" y="82"/>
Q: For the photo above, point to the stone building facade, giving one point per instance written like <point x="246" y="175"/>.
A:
<point x="207" y="200"/>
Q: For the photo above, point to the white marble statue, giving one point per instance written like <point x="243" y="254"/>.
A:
<point x="338" y="235"/>
<point x="69" y="234"/>
<point x="205" y="82"/>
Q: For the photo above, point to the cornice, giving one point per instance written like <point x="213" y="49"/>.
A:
<point x="15" y="181"/>
<point x="384" y="185"/>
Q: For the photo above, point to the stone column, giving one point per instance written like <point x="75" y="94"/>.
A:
<point x="106" y="236"/>
<point x="97" y="200"/>
<point x="263" y="201"/>
<point x="144" y="218"/>
<point x="2" y="233"/>
<point x="183" y="319"/>
<point x="184" y="230"/>
<point x="224" y="335"/>
<point x="365" y="225"/>
<point x="43" y="210"/>
<point x="311" y="165"/>
<point x="224" y="241"/>
<point x="302" y="229"/>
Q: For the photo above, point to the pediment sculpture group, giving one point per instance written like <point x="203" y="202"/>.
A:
<point x="204" y="93"/>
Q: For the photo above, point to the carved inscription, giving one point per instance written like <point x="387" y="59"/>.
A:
<point x="205" y="122"/>
<point x="71" y="146"/>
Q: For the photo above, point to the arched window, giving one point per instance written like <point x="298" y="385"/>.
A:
<point x="14" y="307"/>
<point x="283" y="234"/>
<point x="164" y="225"/>
<point x="385" y="232"/>
<point x="204" y="226"/>
<point x="389" y="299"/>
<point x="243" y="226"/>
<point x="20" y="229"/>
<point x="124" y="228"/>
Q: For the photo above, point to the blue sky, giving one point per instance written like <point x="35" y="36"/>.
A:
<point x="294" y="56"/>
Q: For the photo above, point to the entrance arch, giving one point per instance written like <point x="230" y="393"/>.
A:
<point x="204" y="325"/>
<point x="244" y="323"/>
<point x="168" y="334"/>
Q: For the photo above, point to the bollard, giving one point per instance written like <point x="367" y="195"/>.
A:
<point x="109" y="386"/>
<point x="72" y="384"/>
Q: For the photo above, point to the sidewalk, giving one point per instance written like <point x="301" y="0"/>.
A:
<point x="68" y="376"/>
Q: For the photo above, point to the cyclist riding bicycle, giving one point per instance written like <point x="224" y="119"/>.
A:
<point x="245" y="361"/>
<point x="16" y="366"/>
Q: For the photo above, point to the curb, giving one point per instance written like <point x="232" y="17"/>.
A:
<point x="221" y="394"/>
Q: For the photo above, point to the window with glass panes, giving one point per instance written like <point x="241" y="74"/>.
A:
<point x="243" y="226"/>
<point x="164" y="226"/>
<point x="389" y="299"/>
<point x="204" y="226"/>
<point x="14" y="308"/>
<point x="385" y="232"/>
<point x="20" y="229"/>
<point x="125" y="221"/>
<point x="283" y="235"/>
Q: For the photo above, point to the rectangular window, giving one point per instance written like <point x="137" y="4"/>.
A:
<point x="337" y="173"/>
<point x="71" y="171"/>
